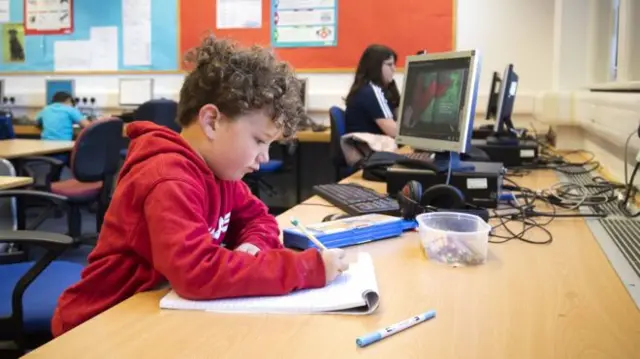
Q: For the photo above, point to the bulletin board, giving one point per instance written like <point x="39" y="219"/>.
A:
<point x="88" y="14"/>
<point x="404" y="25"/>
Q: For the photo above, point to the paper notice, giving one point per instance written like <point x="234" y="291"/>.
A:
<point x="48" y="16"/>
<point x="104" y="48"/>
<point x="72" y="55"/>
<point x="238" y="14"/>
<point x="136" y="32"/>
<point x="4" y="11"/>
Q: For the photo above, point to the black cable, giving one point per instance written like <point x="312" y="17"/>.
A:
<point x="520" y="215"/>
<point x="630" y="184"/>
<point x="628" y="194"/>
<point x="527" y="225"/>
<point x="530" y="218"/>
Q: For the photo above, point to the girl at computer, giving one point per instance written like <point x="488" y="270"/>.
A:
<point x="374" y="97"/>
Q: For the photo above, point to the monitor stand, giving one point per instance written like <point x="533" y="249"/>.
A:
<point x="443" y="159"/>
<point x="504" y="134"/>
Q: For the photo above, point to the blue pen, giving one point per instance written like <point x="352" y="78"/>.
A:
<point x="371" y="338"/>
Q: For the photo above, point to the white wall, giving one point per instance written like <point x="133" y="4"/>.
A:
<point x="510" y="31"/>
<point x="505" y="31"/>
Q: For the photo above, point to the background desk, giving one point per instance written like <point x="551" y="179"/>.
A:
<point x="314" y="164"/>
<point x="527" y="302"/>
<point x="32" y="131"/>
<point x="17" y="148"/>
<point x="9" y="182"/>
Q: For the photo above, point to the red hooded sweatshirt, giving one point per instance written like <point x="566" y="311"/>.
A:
<point x="172" y="220"/>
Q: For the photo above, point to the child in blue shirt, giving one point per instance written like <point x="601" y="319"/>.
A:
<point x="58" y="118"/>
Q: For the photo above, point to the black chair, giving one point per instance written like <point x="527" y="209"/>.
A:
<point x="257" y="180"/>
<point x="94" y="164"/>
<point x="338" y="129"/>
<point x="29" y="290"/>
<point x="162" y="112"/>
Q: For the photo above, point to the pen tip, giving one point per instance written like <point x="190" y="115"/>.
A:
<point x="294" y="221"/>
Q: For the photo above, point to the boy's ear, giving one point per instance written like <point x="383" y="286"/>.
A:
<point x="209" y="119"/>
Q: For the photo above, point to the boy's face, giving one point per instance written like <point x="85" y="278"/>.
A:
<point x="235" y="147"/>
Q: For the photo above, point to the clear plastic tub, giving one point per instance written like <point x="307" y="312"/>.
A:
<point x="457" y="239"/>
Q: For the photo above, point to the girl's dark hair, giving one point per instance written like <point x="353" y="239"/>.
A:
<point x="370" y="70"/>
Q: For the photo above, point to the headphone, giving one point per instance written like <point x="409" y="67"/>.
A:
<point x="438" y="198"/>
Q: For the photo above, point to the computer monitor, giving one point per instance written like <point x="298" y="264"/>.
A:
<point x="503" y="130"/>
<point x="494" y="91"/>
<point x="304" y="92"/>
<point x="58" y="85"/>
<point x="135" y="91"/>
<point x="437" y="105"/>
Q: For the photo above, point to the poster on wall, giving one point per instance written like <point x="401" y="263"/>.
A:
<point x="304" y="23"/>
<point x="239" y="14"/>
<point x="48" y="17"/>
<point x="13" y="43"/>
<point x="4" y="11"/>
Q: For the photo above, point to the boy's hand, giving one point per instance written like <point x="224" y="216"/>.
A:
<point x="334" y="263"/>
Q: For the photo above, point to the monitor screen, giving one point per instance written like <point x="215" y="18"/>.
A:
<point x="434" y="99"/>
<point x="438" y="101"/>
<point x="494" y="91"/>
<point x="55" y="86"/>
<point x="135" y="91"/>
<point x="303" y="91"/>
<point x="506" y="99"/>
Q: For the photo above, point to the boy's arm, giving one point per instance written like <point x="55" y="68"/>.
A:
<point x="185" y="253"/>
<point x="251" y="223"/>
<point x="78" y="118"/>
<point x="39" y="120"/>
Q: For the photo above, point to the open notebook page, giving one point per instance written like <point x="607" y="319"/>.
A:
<point x="353" y="292"/>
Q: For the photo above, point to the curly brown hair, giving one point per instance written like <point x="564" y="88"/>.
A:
<point x="240" y="80"/>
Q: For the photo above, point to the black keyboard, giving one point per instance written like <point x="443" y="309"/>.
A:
<point x="420" y="156"/>
<point x="357" y="200"/>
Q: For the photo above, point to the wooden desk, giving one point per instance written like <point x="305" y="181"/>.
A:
<point x="33" y="130"/>
<point x="311" y="136"/>
<point x="26" y="130"/>
<point x="17" y="148"/>
<point x="302" y="136"/>
<point x="9" y="182"/>
<point x="528" y="301"/>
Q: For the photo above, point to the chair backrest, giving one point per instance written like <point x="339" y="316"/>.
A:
<point x="96" y="153"/>
<point x="6" y="127"/>
<point x="162" y="112"/>
<point x="338" y="129"/>
<point x="8" y="205"/>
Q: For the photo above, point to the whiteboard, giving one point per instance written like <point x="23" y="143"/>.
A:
<point x="135" y="92"/>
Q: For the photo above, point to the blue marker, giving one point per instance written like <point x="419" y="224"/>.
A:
<point x="371" y="338"/>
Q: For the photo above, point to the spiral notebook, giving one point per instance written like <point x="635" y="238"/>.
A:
<point x="353" y="292"/>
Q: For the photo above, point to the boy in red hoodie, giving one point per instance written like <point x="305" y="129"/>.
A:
<point x="180" y="212"/>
